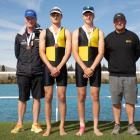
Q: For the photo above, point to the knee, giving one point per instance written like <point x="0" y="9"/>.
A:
<point x="81" y="98"/>
<point x="48" y="98"/>
<point x="95" y="98"/>
<point x="62" y="98"/>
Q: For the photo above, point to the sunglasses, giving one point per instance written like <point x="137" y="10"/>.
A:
<point x="55" y="15"/>
<point x="88" y="8"/>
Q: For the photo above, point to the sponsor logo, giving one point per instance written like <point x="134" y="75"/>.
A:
<point x="128" y="41"/>
<point x="23" y="42"/>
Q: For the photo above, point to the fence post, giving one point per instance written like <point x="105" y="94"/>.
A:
<point x="56" y="119"/>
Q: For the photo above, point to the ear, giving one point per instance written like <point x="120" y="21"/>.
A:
<point x="125" y="21"/>
<point x="93" y="15"/>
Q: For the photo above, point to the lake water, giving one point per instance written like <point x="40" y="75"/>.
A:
<point x="8" y="107"/>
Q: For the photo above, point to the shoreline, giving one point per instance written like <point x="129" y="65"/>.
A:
<point x="10" y="77"/>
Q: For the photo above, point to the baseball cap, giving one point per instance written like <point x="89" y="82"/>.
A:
<point x="56" y="10"/>
<point x="88" y="9"/>
<point x="119" y="16"/>
<point x="30" y="13"/>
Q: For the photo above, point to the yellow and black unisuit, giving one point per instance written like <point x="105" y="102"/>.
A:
<point x="88" y="50"/>
<point x="55" y="54"/>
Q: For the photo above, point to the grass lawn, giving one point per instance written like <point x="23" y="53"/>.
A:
<point x="71" y="128"/>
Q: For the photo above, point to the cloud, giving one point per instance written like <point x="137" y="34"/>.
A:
<point x="7" y="36"/>
<point x="32" y="4"/>
<point x="133" y="3"/>
<point x="7" y="24"/>
<point x="135" y="27"/>
<point x="136" y="10"/>
<point x="138" y="33"/>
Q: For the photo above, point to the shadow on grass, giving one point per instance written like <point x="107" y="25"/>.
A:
<point x="70" y="126"/>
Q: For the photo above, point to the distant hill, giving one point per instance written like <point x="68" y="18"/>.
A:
<point x="6" y="68"/>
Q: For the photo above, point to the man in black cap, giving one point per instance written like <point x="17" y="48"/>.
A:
<point x="122" y="51"/>
<point x="29" y="70"/>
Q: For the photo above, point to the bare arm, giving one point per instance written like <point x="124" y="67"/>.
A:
<point x="75" y="49"/>
<point x="68" y="50"/>
<point x="42" y="50"/>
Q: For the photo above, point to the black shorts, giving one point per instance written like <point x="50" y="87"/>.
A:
<point x="61" y="79"/>
<point x="95" y="79"/>
<point x="27" y="84"/>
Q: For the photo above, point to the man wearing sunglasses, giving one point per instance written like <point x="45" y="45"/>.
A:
<point x="122" y="52"/>
<point x="29" y="70"/>
<point x="88" y="50"/>
<point x="55" y="50"/>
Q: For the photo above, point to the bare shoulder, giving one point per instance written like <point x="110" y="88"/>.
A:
<point x="67" y="31"/>
<point x="101" y="32"/>
<point x="43" y="33"/>
<point x="75" y="32"/>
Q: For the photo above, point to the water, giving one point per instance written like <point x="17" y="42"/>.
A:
<point x="8" y="107"/>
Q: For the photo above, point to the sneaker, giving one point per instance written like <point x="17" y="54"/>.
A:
<point x="36" y="128"/>
<point x="17" y="128"/>
<point x="116" y="129"/>
<point x="133" y="130"/>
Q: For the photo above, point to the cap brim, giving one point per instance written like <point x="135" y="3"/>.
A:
<point x="121" y="18"/>
<point x="87" y="11"/>
<point x="30" y="16"/>
<point x="55" y="12"/>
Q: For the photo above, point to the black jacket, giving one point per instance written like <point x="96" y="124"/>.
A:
<point x="28" y="59"/>
<point x="122" y="51"/>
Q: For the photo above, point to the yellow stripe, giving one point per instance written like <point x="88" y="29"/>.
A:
<point x="94" y="38"/>
<point x="61" y="38"/>
<point x="50" y="53"/>
<point x="83" y="53"/>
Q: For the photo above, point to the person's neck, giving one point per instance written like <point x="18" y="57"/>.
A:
<point x="89" y="26"/>
<point x="56" y="27"/>
<point x="30" y="30"/>
<point x="120" y="31"/>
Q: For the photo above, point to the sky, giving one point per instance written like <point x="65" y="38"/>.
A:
<point x="12" y="19"/>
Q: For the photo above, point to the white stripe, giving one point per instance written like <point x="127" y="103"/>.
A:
<point x="9" y="97"/>
<point x="137" y="106"/>
<point x="16" y="97"/>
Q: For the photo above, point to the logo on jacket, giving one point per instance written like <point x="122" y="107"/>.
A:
<point x="23" y="42"/>
<point x="128" y="41"/>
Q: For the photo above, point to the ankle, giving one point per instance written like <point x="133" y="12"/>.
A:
<point x="82" y="125"/>
<point x="35" y="123"/>
<point x="117" y="124"/>
<point x="19" y="123"/>
<point x="96" y="128"/>
<point x="131" y="124"/>
<point x="61" y="125"/>
<point x="49" y="127"/>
